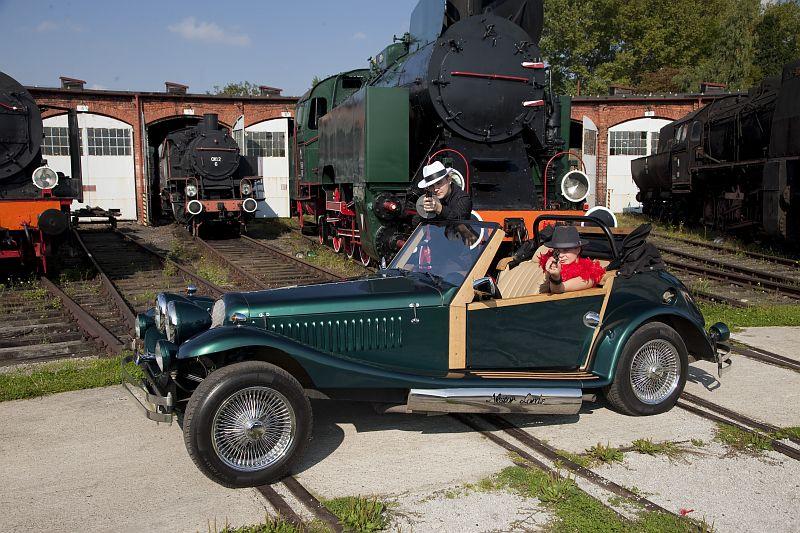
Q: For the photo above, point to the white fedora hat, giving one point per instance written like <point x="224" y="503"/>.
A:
<point x="433" y="173"/>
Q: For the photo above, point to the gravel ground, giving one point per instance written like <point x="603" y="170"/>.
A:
<point x="457" y="512"/>
<point x="734" y="493"/>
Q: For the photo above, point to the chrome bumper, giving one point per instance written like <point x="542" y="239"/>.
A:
<point x="158" y="406"/>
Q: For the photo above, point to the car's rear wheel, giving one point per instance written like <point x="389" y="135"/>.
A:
<point x="247" y="424"/>
<point x="651" y="371"/>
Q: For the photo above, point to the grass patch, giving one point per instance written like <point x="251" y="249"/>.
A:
<point x="739" y="440"/>
<point x="648" y="447"/>
<point x="792" y="432"/>
<point x="698" y="443"/>
<point x="170" y="269"/>
<point x="212" y="272"/>
<point x="182" y="252"/>
<point x="604" y="454"/>
<point x="769" y="315"/>
<point x="576" y="511"/>
<point x="60" y="376"/>
<point x="582" y="460"/>
<point x="359" y="514"/>
<point x="272" y="525"/>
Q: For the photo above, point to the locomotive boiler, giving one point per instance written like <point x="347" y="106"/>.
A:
<point x="203" y="178"/>
<point x="467" y="86"/>
<point x="733" y="165"/>
<point x="35" y="200"/>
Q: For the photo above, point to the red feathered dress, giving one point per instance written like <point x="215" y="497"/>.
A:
<point x="584" y="268"/>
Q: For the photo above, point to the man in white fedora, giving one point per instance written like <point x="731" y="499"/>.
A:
<point x="444" y="200"/>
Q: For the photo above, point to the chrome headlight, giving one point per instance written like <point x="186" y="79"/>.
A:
<point x="218" y="313"/>
<point x="143" y="321"/>
<point x="164" y="353"/>
<point x="44" y="177"/>
<point x="171" y="321"/>
<point x="246" y="187"/>
<point x="191" y="190"/>
<point x="161" y="311"/>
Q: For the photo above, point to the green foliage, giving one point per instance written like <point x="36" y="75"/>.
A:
<point x="742" y="441"/>
<point x="792" y="432"/>
<point x="648" y="447"/>
<point x="242" y="88"/>
<point x="754" y="316"/>
<point x="698" y="443"/>
<point x="212" y="272"/>
<point x="656" y="46"/>
<point x="582" y="460"/>
<point x="359" y="514"/>
<point x="272" y="525"/>
<point x="576" y="511"/>
<point x="59" y="377"/>
<point x="181" y="252"/>
<point x="604" y="454"/>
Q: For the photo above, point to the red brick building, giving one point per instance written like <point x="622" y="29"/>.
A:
<point x="626" y="127"/>
<point x="127" y="126"/>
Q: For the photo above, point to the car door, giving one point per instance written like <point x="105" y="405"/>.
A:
<point x="545" y="332"/>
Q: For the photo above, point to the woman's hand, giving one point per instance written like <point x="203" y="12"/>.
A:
<point x="553" y="268"/>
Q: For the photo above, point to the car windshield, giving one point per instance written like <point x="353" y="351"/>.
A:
<point x="444" y="251"/>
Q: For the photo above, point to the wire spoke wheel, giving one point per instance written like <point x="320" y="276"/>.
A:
<point x="655" y="371"/>
<point x="253" y="429"/>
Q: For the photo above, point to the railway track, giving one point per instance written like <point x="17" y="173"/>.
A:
<point x="257" y="265"/>
<point x="764" y="356"/>
<point x="36" y="327"/>
<point x="736" y="273"/>
<point x="766" y="258"/>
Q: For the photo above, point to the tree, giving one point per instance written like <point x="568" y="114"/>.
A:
<point x="242" y="88"/>
<point x="776" y="39"/>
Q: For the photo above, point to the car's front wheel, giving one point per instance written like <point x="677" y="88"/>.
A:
<point x="247" y="424"/>
<point x="651" y="371"/>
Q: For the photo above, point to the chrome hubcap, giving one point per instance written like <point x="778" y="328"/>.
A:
<point x="655" y="371"/>
<point x="253" y="429"/>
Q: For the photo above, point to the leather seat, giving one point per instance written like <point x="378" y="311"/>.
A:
<point x="528" y="278"/>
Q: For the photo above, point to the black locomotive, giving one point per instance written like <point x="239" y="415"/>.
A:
<point x="35" y="200"/>
<point x="466" y="86"/>
<point x="203" y="177"/>
<point x="734" y="164"/>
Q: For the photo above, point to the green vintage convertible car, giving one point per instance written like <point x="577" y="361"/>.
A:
<point x="431" y="333"/>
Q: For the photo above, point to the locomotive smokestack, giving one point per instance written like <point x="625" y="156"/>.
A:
<point x="211" y="121"/>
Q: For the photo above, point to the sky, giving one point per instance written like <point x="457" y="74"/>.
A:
<point x="138" y="45"/>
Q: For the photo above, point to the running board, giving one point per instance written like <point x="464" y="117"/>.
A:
<point x="537" y="401"/>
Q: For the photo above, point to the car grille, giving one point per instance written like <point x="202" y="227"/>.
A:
<point x="218" y="314"/>
<point x="345" y="335"/>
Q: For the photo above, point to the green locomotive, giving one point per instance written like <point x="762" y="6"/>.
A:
<point x="470" y="92"/>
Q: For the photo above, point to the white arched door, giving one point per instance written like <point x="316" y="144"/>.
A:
<point x="589" y="150"/>
<point x="106" y="160"/>
<point x="626" y="142"/>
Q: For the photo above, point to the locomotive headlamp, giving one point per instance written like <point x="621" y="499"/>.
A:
<point x="45" y="177"/>
<point x="191" y="190"/>
<point x="246" y="187"/>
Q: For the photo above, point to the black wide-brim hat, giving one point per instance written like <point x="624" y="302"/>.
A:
<point x="565" y="237"/>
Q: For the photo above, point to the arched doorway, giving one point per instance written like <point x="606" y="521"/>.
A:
<point x="107" y="162"/>
<point x="627" y="141"/>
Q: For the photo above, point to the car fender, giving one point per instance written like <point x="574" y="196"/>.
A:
<point x="324" y="369"/>
<point x="618" y="327"/>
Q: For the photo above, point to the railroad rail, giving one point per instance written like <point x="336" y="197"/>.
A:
<point x="722" y="415"/>
<point x="131" y="273"/>
<point x="785" y="261"/>
<point x="285" y="511"/>
<point x="37" y="327"/>
<point x="258" y="265"/>
<point x="548" y="453"/>
<point x="764" y="356"/>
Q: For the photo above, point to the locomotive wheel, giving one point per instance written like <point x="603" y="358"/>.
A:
<point x="349" y="247"/>
<point x="337" y="243"/>
<point x="364" y="257"/>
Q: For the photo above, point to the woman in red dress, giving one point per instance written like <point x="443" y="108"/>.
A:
<point x="570" y="272"/>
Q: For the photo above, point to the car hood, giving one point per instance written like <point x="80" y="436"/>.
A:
<point x="363" y="294"/>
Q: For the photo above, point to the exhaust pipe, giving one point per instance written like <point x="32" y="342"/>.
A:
<point x="538" y="401"/>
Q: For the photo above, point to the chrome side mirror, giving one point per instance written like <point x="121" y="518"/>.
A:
<point x="486" y="287"/>
<point x="191" y="290"/>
